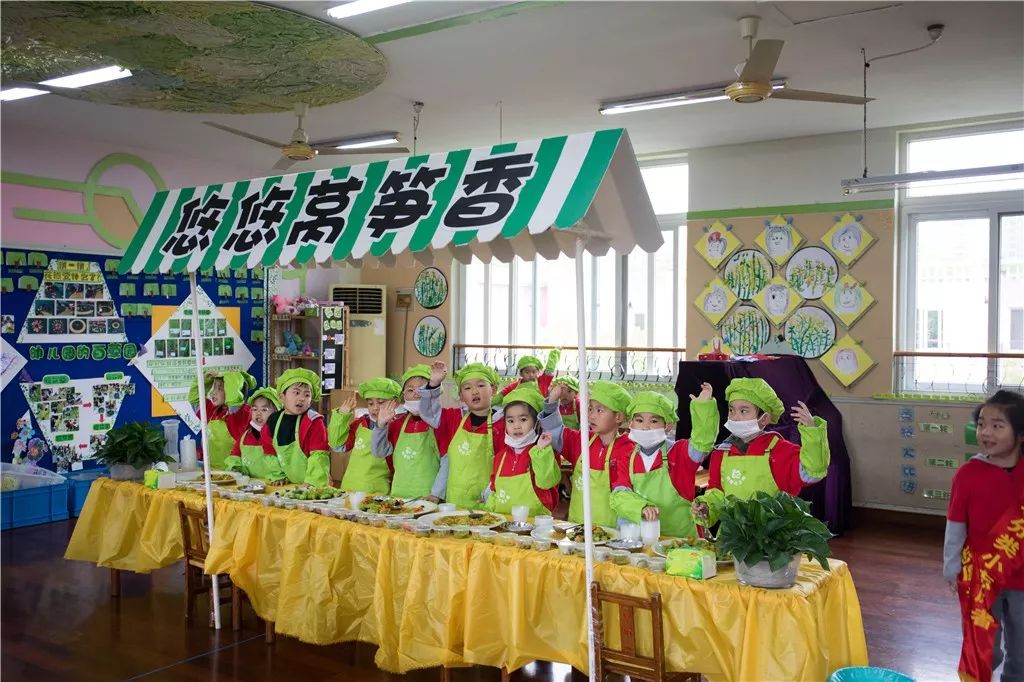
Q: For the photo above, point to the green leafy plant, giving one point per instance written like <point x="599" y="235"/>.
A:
<point x="772" y="528"/>
<point x="138" y="444"/>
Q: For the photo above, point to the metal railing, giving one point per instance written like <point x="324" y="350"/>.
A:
<point x="620" y="363"/>
<point x="957" y="374"/>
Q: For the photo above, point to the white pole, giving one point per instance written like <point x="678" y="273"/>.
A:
<point x="588" y="526"/>
<point x="200" y="361"/>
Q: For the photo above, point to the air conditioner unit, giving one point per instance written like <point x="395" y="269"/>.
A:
<point x="367" y="329"/>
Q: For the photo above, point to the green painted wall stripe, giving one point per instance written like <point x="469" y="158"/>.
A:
<point x="52" y="216"/>
<point x="443" y="193"/>
<point x="156" y="256"/>
<point x="227" y="223"/>
<point x="360" y="207"/>
<point x="157" y="205"/>
<point x="584" y="187"/>
<point x="308" y="251"/>
<point x="462" y="20"/>
<point x="842" y="207"/>
<point x="43" y="182"/>
<point x="547" y="156"/>
<point x="273" y="251"/>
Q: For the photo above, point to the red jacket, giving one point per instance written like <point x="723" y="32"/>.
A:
<point x="572" y="448"/>
<point x="681" y="469"/>
<point x="237" y="421"/>
<point x="515" y="465"/>
<point x="543" y="384"/>
<point x="249" y="437"/>
<point x="784" y="461"/>
<point x="312" y="434"/>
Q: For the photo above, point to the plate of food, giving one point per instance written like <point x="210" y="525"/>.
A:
<point x="574" y="533"/>
<point x="311" y="493"/>
<point x="464" y="518"/>
<point x="395" y="506"/>
<point x="216" y="477"/>
<point x="663" y="547"/>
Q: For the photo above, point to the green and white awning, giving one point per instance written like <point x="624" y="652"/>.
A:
<point x="516" y="199"/>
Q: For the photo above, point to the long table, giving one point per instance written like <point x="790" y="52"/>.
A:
<point x="432" y="602"/>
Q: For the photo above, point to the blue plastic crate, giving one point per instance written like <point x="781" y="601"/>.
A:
<point x="78" y="489"/>
<point x="6" y="512"/>
<point x="32" y="506"/>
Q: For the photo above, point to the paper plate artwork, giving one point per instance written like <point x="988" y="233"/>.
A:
<point x="716" y="243"/>
<point x="777" y="300"/>
<point x="429" y="336"/>
<point x="812" y="271"/>
<point x="745" y="330"/>
<point x="715" y="301"/>
<point x="431" y="288"/>
<point x="779" y="239"/>
<point x="810" y="331"/>
<point x="848" y="300"/>
<point x="747" y="273"/>
<point x="848" y="239"/>
<point x="847" y="361"/>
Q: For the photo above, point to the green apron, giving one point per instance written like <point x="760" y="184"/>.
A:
<point x="600" y="491"/>
<point x="254" y="462"/>
<point x="416" y="461"/>
<point x="510" y="491"/>
<point x="220" y="441"/>
<point x="744" y="475"/>
<point x="657" y="488"/>
<point x="571" y="420"/>
<point x="297" y="467"/>
<point x="470" y="461"/>
<point x="366" y="473"/>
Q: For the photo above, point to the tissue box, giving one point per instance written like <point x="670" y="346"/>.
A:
<point x="691" y="563"/>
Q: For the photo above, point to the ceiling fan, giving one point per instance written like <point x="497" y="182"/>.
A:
<point x="755" y="82"/>
<point x="299" y="148"/>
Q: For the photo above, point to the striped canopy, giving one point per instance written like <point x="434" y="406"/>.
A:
<point x="516" y="199"/>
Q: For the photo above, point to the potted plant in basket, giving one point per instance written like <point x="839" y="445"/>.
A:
<point x="767" y="534"/>
<point x="132" y="448"/>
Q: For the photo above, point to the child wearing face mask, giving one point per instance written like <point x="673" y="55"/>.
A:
<point x="297" y="434"/>
<point x="364" y="473"/>
<point x="408" y="439"/>
<point x="753" y="459"/>
<point x="531" y="371"/>
<point x="467" y="440"/>
<point x="227" y="413"/>
<point x="656" y="479"/>
<point x="248" y="456"/>
<point x="606" y="413"/>
<point x="525" y="467"/>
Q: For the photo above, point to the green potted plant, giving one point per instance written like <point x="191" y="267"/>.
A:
<point x="766" y="536"/>
<point x="130" y="449"/>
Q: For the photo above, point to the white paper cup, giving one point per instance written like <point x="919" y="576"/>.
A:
<point x="544" y="521"/>
<point x="520" y="513"/>
<point x="650" y="531"/>
<point x="630" y="531"/>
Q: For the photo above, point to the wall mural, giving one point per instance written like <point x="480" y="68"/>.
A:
<point x="218" y="57"/>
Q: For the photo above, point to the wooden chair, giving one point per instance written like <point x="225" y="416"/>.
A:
<point x="195" y="541"/>
<point x="626" y="661"/>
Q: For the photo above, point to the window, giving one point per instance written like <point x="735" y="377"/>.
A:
<point x="633" y="300"/>
<point x="962" y="264"/>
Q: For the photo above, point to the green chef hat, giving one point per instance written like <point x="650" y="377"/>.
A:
<point x="529" y="361"/>
<point x="381" y="387"/>
<point x="568" y="380"/>
<point x="653" y="403"/>
<point x="611" y="395"/>
<point x="528" y="394"/>
<point x="421" y="371"/>
<point x="268" y="393"/>
<point x="476" y="370"/>
<point x="758" y="392"/>
<point x="236" y="385"/>
<point x="299" y="375"/>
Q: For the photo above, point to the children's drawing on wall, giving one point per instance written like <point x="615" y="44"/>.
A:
<point x="747" y="273"/>
<point x="429" y="336"/>
<point x="848" y="239"/>
<point x="714" y="345"/>
<point x="811" y="332"/>
<point x="779" y="239"/>
<point x="848" y="300"/>
<point x="715" y="300"/>
<point x="847" y="361"/>
<point x="716" y="243"/>
<point x="812" y="271"/>
<point x="27" y="449"/>
<point x="777" y="300"/>
<point x="11" y="362"/>
<point x="745" y="330"/>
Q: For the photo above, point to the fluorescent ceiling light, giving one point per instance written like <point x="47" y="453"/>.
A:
<point x="382" y="140"/>
<point x="351" y="9"/>
<point x="673" y="99"/>
<point x="92" y="77"/>
<point x="885" y="183"/>
<point x="11" y="94"/>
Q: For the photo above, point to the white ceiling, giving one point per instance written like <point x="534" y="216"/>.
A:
<point x="551" y="66"/>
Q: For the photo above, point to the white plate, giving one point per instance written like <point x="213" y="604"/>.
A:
<point x="546" y="533"/>
<point x="278" y="493"/>
<point x="430" y="518"/>
<point x="415" y="507"/>
<point x="198" y="476"/>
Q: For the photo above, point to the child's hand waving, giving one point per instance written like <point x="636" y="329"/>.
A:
<point x="348" y="407"/>
<point x="544" y="440"/>
<point x="706" y="392"/>
<point x="556" y="393"/>
<point x="438" y="371"/>
<point x="801" y="415"/>
<point x="386" y="413"/>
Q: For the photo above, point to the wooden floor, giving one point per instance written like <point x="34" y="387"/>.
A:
<point x="58" y="622"/>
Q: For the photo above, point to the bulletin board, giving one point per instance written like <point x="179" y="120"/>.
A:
<point x="74" y="334"/>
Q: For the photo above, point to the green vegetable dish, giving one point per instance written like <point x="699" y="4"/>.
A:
<point x="312" y="494"/>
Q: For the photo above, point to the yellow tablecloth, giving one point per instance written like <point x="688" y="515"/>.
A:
<point x="451" y="602"/>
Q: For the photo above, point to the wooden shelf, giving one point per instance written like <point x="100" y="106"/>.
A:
<point x="287" y="318"/>
<point x="278" y="356"/>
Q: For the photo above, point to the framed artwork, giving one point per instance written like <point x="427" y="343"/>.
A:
<point x="811" y="331"/>
<point x="745" y="330"/>
<point x="431" y="288"/>
<point x="848" y="239"/>
<point x="747" y="273"/>
<point x="715" y="301"/>
<point x="716" y="243"/>
<point x="847" y="361"/>
<point x="777" y="300"/>
<point x="848" y="300"/>
<point x="429" y="336"/>
<point x="779" y="239"/>
<point x="811" y="272"/>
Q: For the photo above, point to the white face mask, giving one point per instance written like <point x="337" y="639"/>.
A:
<point x="647" y="438"/>
<point x="744" y="430"/>
<point x="412" y="407"/>
<point x="522" y="441"/>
